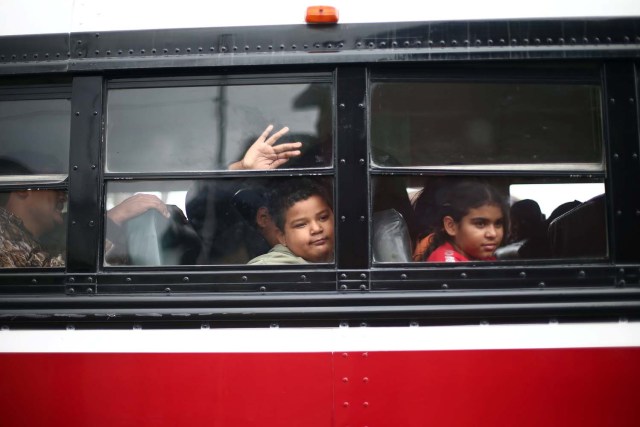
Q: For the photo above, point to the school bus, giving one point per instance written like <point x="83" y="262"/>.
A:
<point x="130" y="215"/>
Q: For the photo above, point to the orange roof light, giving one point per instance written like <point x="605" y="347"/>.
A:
<point x="322" y="15"/>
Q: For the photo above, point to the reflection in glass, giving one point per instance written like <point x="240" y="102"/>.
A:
<point x="34" y="137"/>
<point x="543" y="218"/>
<point x="440" y="124"/>
<point x="33" y="228"/>
<point x="209" y="222"/>
<point x="208" y="128"/>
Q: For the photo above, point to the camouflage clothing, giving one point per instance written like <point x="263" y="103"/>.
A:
<point x="18" y="247"/>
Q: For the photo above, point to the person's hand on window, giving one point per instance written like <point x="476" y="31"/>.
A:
<point x="263" y="154"/>
<point x="134" y="206"/>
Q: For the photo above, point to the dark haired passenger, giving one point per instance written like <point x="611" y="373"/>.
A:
<point x="472" y="220"/>
<point x="303" y="215"/>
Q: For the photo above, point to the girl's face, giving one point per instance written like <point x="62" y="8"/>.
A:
<point x="479" y="233"/>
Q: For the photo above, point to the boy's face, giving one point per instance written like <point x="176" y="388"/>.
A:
<point x="308" y="230"/>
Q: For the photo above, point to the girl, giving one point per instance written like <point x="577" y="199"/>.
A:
<point x="472" y="224"/>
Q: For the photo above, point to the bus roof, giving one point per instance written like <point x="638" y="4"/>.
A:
<point x="22" y="17"/>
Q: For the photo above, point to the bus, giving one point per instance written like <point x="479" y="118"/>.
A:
<point x="155" y="161"/>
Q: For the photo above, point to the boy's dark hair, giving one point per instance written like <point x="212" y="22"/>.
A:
<point x="287" y="193"/>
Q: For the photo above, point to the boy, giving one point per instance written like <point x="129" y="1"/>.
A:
<point x="303" y="215"/>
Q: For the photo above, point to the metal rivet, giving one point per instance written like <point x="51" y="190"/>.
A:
<point x="205" y="325"/>
<point x="484" y="322"/>
<point x="77" y="113"/>
<point x="345" y="380"/>
<point x="361" y="161"/>
<point x="541" y="285"/>
<point x="263" y="289"/>
<point x="340" y="45"/>
<point x="463" y="275"/>
<point x="188" y="50"/>
<point x="343" y="161"/>
<point x="365" y="380"/>
<point x="363" y="276"/>
<point x="631" y="100"/>
<point x="345" y="355"/>
<point x="92" y="223"/>
<point x="361" y="105"/>
<point x="343" y="276"/>
<point x="130" y="51"/>
<point x="403" y="276"/>
<point x="72" y="279"/>
<point x="365" y="354"/>
<point x="414" y="324"/>
<point x="154" y="50"/>
<point x="243" y="278"/>
<point x="616" y="156"/>
<point x="581" y="274"/>
<point x="365" y="404"/>
<point x="34" y="281"/>
<point x="128" y="280"/>
<point x="619" y="213"/>
<point x="303" y="277"/>
<point x="612" y="100"/>
<point x="445" y="286"/>
<point x="200" y="49"/>
<point x="622" y="283"/>
<point x="142" y="51"/>
<point x="177" y="50"/>
<point x="522" y="275"/>
<point x="363" y="287"/>
<point x="343" y="287"/>
<point x="621" y="271"/>
<point x="362" y="218"/>
<point x="93" y="166"/>
<point x="165" y="50"/>
<point x="90" y="279"/>
<point x="73" y="222"/>
<point x="363" y="324"/>
<point x="274" y="325"/>
<point x="342" y="106"/>
<point x="137" y="327"/>
<point x="71" y="291"/>
<point x="167" y="290"/>
<point x="95" y="113"/>
<point x="71" y="328"/>
<point x="345" y="404"/>
<point x="343" y="218"/>
<point x="120" y="52"/>
<point x="75" y="167"/>
<point x="89" y="290"/>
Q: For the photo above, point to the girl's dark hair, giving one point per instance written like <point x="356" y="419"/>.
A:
<point x="288" y="192"/>
<point x="457" y="200"/>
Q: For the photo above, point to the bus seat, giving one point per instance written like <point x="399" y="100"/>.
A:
<point x="580" y="232"/>
<point x="153" y="239"/>
<point x="391" y="241"/>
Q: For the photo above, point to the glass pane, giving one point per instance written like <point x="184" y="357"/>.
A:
<point x="455" y="219"/>
<point x="209" y="128"/>
<point x="554" y="126"/>
<point x="220" y="221"/>
<point x="33" y="228"/>
<point x="34" y="137"/>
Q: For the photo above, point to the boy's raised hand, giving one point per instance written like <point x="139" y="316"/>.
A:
<point x="263" y="154"/>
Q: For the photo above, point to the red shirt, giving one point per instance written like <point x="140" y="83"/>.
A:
<point x="446" y="253"/>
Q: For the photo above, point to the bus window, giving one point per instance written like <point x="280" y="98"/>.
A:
<point x="540" y="219"/>
<point x="34" y="162"/>
<point x="538" y="146"/>
<point x="205" y="128"/>
<point x="499" y="125"/>
<point x="227" y="221"/>
<point x="35" y="137"/>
